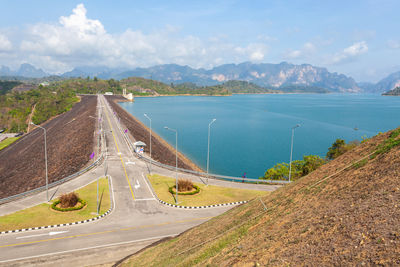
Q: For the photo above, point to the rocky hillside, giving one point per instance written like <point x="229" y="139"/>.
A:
<point x="390" y="82"/>
<point x="25" y="70"/>
<point x="266" y="75"/>
<point x="386" y="84"/>
<point x="346" y="213"/>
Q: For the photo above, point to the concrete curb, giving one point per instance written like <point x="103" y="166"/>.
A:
<point x="57" y="225"/>
<point x="201" y="207"/>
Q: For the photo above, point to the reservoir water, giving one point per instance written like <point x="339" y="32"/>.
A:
<point x="253" y="132"/>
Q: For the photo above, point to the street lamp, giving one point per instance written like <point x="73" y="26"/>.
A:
<point x="150" y="138"/>
<point x="291" y="151"/>
<point x="208" y="150"/>
<point x="176" y="161"/>
<point x="45" y="159"/>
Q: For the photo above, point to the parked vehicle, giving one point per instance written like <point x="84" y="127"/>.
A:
<point x="19" y="134"/>
<point x="2" y="130"/>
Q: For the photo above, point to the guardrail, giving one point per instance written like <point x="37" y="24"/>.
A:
<point x="42" y="188"/>
<point x="203" y="174"/>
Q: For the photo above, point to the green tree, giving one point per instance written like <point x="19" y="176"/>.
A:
<point x="279" y="172"/>
<point x="339" y="147"/>
<point x="311" y="163"/>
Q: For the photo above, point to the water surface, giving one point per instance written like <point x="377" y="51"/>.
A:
<point x="253" y="132"/>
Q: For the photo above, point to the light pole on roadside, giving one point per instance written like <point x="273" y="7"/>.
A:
<point x="150" y="138"/>
<point x="291" y="151"/>
<point x="45" y="159"/>
<point x="208" y="149"/>
<point x="176" y="161"/>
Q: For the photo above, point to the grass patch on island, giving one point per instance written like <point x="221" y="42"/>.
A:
<point x="208" y="195"/>
<point x="8" y="141"/>
<point x="42" y="215"/>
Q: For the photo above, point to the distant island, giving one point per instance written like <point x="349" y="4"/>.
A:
<point x="393" y="92"/>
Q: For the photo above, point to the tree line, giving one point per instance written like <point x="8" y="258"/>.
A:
<point x="308" y="164"/>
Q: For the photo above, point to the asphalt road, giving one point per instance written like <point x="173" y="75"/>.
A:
<point x="136" y="221"/>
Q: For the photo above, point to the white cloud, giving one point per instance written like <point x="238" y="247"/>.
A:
<point x="253" y="52"/>
<point x="350" y="52"/>
<point x="5" y="44"/>
<point x="307" y="49"/>
<point x="77" y="40"/>
<point x="393" y="44"/>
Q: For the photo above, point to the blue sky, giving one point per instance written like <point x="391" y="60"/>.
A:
<point x="356" y="38"/>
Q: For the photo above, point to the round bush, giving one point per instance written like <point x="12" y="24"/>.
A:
<point x="171" y="190"/>
<point x="55" y="203"/>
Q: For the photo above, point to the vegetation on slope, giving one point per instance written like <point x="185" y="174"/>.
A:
<point x="393" y="92"/>
<point x="16" y="107"/>
<point x="6" y="86"/>
<point x="8" y="141"/>
<point x="309" y="163"/>
<point x="244" y="87"/>
<point x="299" y="169"/>
<point x="339" y="215"/>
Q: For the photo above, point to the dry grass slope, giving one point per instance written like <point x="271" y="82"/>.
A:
<point x="345" y="213"/>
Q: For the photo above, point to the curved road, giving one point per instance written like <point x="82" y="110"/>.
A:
<point x="136" y="221"/>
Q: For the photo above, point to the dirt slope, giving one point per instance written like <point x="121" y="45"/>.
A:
<point x="336" y="216"/>
<point x="70" y="140"/>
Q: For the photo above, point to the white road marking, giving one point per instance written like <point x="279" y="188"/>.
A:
<point x="101" y="246"/>
<point x="130" y="162"/>
<point x="137" y="185"/>
<point x="50" y="233"/>
<point x="144" y="199"/>
<point x="119" y="153"/>
<point x="151" y="191"/>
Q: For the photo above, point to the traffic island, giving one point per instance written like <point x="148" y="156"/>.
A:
<point x="207" y="196"/>
<point x="185" y="187"/>
<point x="43" y="216"/>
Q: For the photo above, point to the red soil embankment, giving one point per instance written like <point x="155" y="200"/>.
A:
<point x="70" y="140"/>
<point x="161" y="150"/>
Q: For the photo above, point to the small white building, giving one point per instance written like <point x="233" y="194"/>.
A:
<point x="108" y="93"/>
<point x="139" y="147"/>
<point x="44" y="84"/>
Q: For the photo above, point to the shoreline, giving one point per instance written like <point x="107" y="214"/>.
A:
<point x="162" y="151"/>
<point x="263" y="93"/>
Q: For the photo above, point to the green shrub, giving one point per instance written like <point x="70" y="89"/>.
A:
<point x="388" y="144"/>
<point x="55" y="203"/>
<point x="360" y="163"/>
<point x="299" y="168"/>
<point x="171" y="190"/>
<point x="339" y="147"/>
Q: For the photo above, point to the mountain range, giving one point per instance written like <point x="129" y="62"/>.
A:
<point x="273" y="76"/>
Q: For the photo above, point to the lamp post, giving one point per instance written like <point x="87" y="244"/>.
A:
<point x="176" y="161"/>
<point x="45" y="159"/>
<point x="150" y="138"/>
<point x="208" y="149"/>
<point x="291" y="151"/>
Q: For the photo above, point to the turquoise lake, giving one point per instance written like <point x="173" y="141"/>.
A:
<point x="253" y="132"/>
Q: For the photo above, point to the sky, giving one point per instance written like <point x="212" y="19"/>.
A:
<point x="359" y="38"/>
